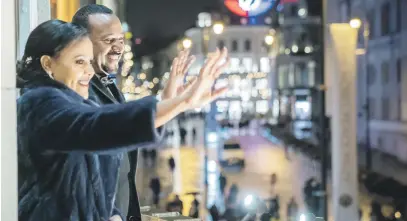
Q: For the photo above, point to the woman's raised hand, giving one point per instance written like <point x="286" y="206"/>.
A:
<point x="197" y="92"/>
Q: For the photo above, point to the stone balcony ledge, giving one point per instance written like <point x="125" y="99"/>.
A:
<point x="152" y="214"/>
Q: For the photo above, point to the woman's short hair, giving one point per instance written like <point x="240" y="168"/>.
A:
<point x="49" y="38"/>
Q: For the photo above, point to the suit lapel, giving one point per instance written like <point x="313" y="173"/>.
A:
<point x="116" y="93"/>
<point x="101" y="90"/>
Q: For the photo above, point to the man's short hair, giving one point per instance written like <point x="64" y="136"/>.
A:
<point x="81" y="17"/>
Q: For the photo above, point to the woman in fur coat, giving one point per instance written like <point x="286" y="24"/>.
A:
<point x="69" y="148"/>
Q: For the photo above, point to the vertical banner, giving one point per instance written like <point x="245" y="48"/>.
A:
<point x="343" y="40"/>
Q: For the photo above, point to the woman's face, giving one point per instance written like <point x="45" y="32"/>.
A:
<point x="73" y="66"/>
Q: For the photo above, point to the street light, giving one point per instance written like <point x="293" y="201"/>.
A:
<point x="186" y="43"/>
<point x="355" y="23"/>
<point x="269" y="39"/>
<point x="218" y="28"/>
<point x="294" y="48"/>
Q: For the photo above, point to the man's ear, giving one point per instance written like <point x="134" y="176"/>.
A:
<point x="45" y="61"/>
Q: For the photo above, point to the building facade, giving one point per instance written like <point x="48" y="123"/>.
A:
<point x="382" y="74"/>
<point x="297" y="72"/>
<point x="249" y="74"/>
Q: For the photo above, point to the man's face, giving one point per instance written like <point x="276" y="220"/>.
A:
<point x="108" y="42"/>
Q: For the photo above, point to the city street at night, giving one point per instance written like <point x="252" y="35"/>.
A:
<point x="263" y="158"/>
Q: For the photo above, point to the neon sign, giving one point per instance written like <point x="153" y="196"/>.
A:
<point x="249" y="8"/>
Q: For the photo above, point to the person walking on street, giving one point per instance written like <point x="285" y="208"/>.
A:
<point x="183" y="134"/>
<point x="222" y="183"/>
<point x="194" y="135"/>
<point x="171" y="164"/>
<point x="178" y="204"/>
<point x="274" y="209"/>
<point x="155" y="186"/>
<point x="292" y="210"/>
<point x="194" y="211"/>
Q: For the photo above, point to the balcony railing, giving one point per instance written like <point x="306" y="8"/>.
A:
<point x="153" y="214"/>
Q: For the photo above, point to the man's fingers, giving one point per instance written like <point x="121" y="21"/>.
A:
<point x="188" y="64"/>
<point x="185" y="55"/>
<point x="190" y="83"/>
<point x="174" y="66"/>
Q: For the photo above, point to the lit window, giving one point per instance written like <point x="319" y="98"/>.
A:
<point x="235" y="110"/>
<point x="235" y="84"/>
<point x="234" y="64"/>
<point x="222" y="106"/>
<point x="222" y="82"/>
<point x="311" y="73"/>
<point x="247" y="106"/>
<point x="247" y="64"/>
<point x="262" y="106"/>
<point x="282" y="76"/>
<point x="261" y="83"/>
<point x="254" y="93"/>
<point x="265" y="64"/>
<point x="255" y="68"/>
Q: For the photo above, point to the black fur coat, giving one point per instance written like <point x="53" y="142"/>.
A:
<point x="69" y="151"/>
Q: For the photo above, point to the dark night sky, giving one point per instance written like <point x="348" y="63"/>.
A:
<point x="159" y="22"/>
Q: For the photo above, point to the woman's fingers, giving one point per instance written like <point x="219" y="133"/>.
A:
<point x="214" y="95"/>
<point x="188" y="63"/>
<point x="189" y="84"/>
<point x="219" y="61"/>
<point x="219" y="70"/>
<point x="219" y="92"/>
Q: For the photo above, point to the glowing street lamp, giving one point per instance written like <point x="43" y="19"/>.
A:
<point x="269" y="39"/>
<point x="186" y="43"/>
<point x="355" y="23"/>
<point x="218" y="28"/>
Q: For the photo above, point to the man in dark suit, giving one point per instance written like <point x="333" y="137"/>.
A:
<point x="107" y="37"/>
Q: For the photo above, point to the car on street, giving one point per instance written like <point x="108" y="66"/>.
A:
<point x="232" y="154"/>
